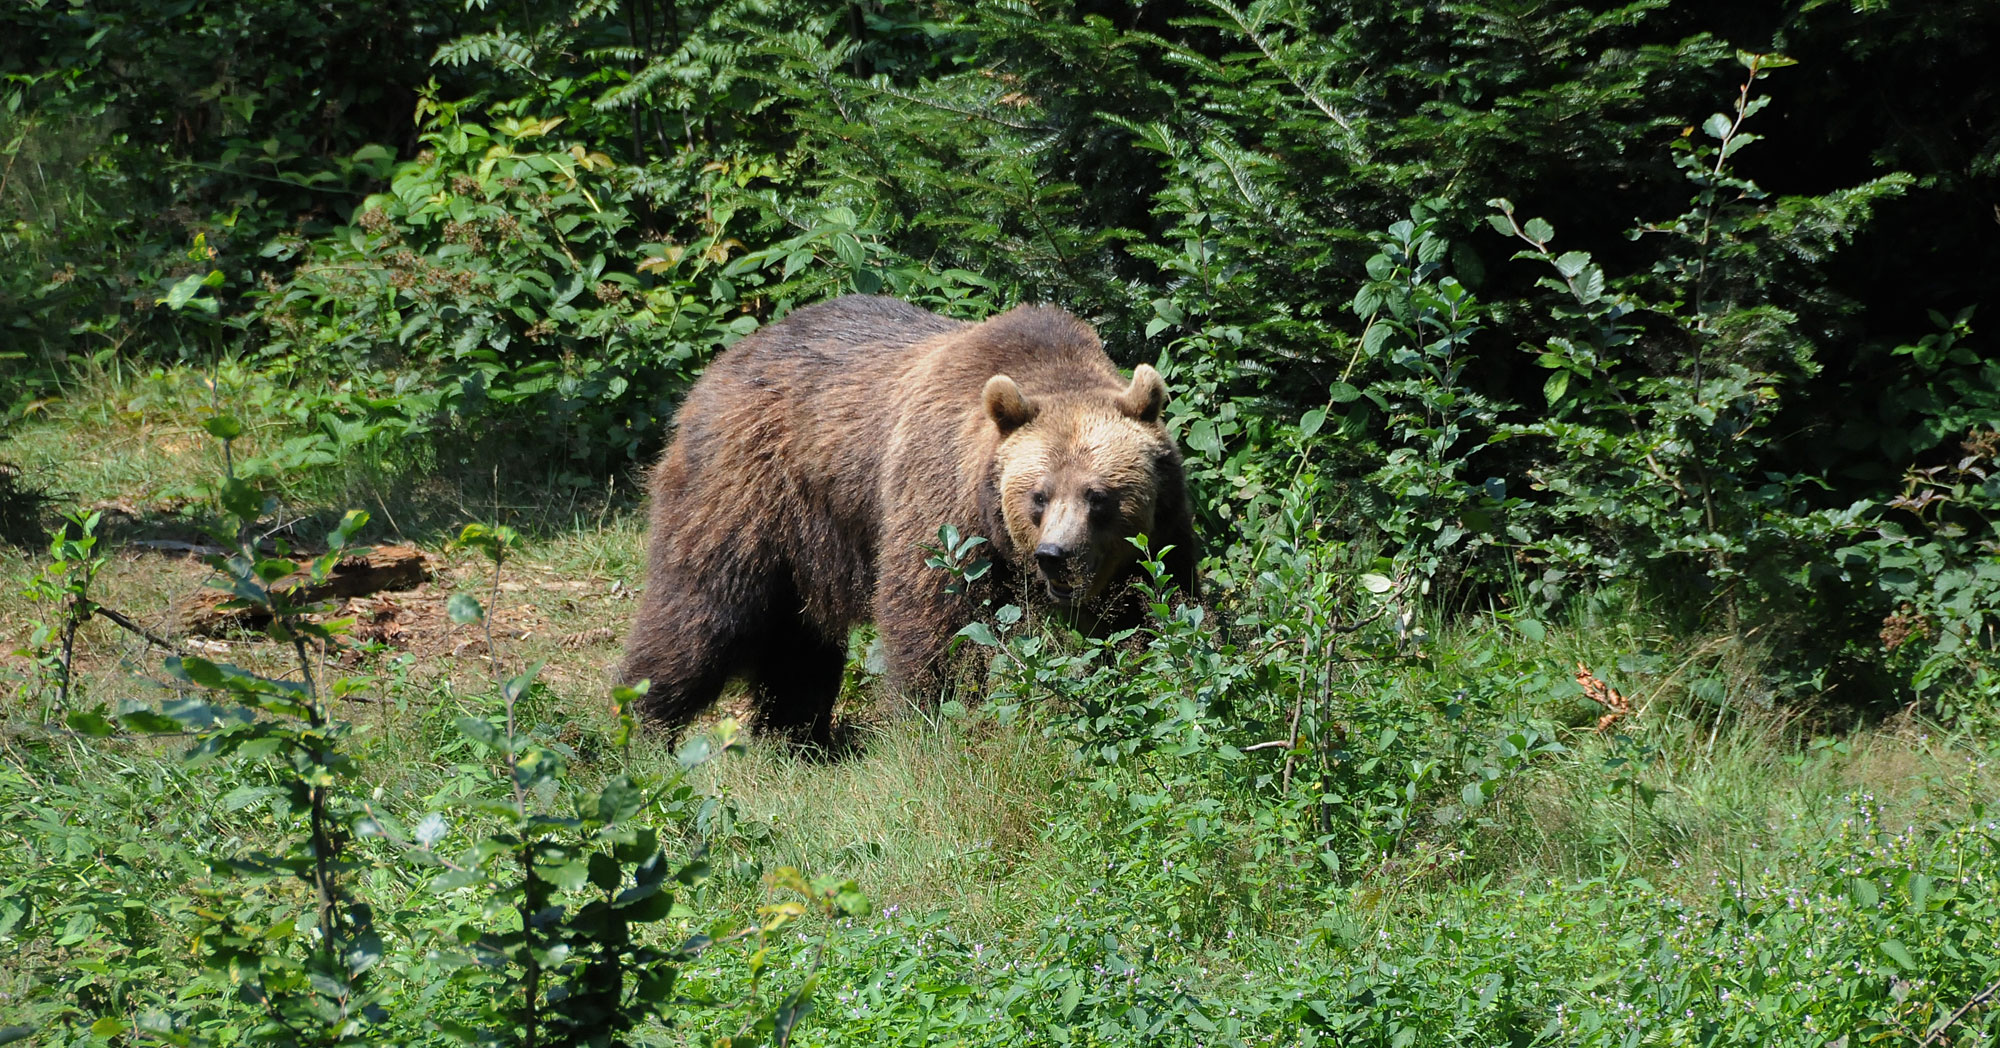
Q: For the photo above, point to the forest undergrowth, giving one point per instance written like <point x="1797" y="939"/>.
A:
<point x="1458" y="846"/>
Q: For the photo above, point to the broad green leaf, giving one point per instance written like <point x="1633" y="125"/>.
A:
<point x="1376" y="337"/>
<point x="184" y="292"/>
<point x="620" y="799"/>
<point x="1592" y="287"/>
<point x="482" y="731"/>
<point x="90" y="723"/>
<point x="244" y="796"/>
<point x="196" y="670"/>
<point x="518" y="684"/>
<point x="147" y="722"/>
<point x="464" y="608"/>
<point x="695" y="751"/>
<point x="1920" y="892"/>
<point x="241" y="499"/>
<point x="1555" y="387"/>
<point x="1201" y="437"/>
<point x="1765" y="62"/>
<point x="979" y="633"/>
<point x="1897" y="952"/>
<point x="569" y="876"/>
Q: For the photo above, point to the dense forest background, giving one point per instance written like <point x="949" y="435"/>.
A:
<point x="1499" y="333"/>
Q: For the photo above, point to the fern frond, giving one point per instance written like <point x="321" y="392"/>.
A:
<point x="1814" y="227"/>
<point x="637" y="88"/>
<point x="616" y="53"/>
<point x="589" y="10"/>
<point x="498" y="45"/>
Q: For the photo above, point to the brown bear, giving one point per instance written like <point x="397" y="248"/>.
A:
<point x="816" y="459"/>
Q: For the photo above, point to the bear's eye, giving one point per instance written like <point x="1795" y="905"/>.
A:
<point x="1101" y="499"/>
<point x="1040" y="499"/>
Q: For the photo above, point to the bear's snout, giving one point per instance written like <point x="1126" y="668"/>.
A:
<point x="1059" y="571"/>
<point x="1064" y="554"/>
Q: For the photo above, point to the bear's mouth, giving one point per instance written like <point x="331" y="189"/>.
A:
<point x="1071" y="589"/>
<point x="1069" y="580"/>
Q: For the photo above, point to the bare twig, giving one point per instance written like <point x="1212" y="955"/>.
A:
<point x="1978" y="999"/>
<point x="117" y="618"/>
<point x="1298" y="708"/>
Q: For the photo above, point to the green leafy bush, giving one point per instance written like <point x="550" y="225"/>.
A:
<point x="1662" y="460"/>
<point x="511" y="276"/>
<point x="1934" y="553"/>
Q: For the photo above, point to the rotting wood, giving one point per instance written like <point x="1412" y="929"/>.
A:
<point x="380" y="568"/>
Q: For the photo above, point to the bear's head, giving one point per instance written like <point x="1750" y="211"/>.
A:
<point x="1078" y="475"/>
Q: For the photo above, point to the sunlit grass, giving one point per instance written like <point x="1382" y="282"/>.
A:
<point x="985" y="825"/>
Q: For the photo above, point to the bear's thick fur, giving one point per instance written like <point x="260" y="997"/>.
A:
<point x="815" y="460"/>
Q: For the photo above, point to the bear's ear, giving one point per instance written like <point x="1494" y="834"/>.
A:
<point x="1143" y="399"/>
<point x="1009" y="408"/>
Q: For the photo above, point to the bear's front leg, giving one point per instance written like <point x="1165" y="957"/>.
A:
<point x="797" y="675"/>
<point x="917" y="619"/>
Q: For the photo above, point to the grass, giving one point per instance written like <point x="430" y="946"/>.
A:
<point x="984" y="846"/>
<point x="929" y="816"/>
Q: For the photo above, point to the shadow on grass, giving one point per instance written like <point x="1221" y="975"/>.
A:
<point x="24" y="509"/>
<point x="138" y="452"/>
<point x="422" y="495"/>
<point x="425" y="495"/>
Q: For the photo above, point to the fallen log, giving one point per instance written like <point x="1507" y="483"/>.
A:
<point x="380" y="568"/>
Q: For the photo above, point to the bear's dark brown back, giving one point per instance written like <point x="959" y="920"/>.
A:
<point x="1041" y="347"/>
<point x="849" y="336"/>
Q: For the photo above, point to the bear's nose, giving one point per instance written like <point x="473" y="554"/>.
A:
<point x="1051" y="557"/>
